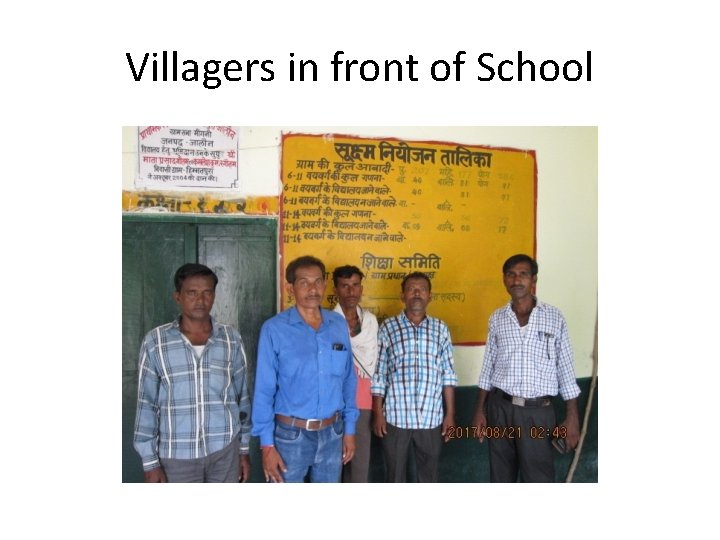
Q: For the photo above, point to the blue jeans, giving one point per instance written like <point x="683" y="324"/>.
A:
<point x="320" y="452"/>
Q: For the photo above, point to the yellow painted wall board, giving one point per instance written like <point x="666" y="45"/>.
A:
<point x="390" y="207"/>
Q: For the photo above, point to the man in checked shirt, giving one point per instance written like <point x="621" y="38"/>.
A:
<point x="193" y="409"/>
<point x="414" y="374"/>
<point x="528" y="360"/>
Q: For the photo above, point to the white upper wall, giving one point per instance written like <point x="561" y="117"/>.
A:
<point x="567" y="231"/>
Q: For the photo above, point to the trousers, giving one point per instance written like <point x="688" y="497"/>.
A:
<point x="426" y="445"/>
<point x="314" y="453"/>
<point x="528" y="454"/>
<point x="222" y="466"/>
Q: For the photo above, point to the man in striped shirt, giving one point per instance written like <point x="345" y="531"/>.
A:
<point x="528" y="360"/>
<point x="193" y="411"/>
<point x="414" y="375"/>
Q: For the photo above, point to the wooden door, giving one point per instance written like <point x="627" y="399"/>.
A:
<point x="241" y="251"/>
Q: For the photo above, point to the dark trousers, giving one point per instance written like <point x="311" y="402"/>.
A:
<point x="426" y="445"/>
<point x="357" y="469"/>
<point x="529" y="452"/>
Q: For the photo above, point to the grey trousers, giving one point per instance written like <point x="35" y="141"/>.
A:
<point x="222" y="466"/>
<point x="357" y="470"/>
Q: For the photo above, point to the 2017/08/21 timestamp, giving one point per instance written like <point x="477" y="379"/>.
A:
<point x="507" y="432"/>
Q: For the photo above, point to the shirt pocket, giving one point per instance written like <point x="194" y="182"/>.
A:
<point x="338" y="363"/>
<point x="219" y="371"/>
<point x="545" y="350"/>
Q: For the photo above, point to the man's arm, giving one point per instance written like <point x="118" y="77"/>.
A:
<point x="348" y="448"/>
<point x="146" y="434"/>
<point x="378" y="417"/>
<point x="567" y="385"/>
<point x="480" y="417"/>
<point x="266" y="377"/>
<point x="565" y="363"/>
<point x="350" y="411"/>
<point x="379" y="385"/>
<point x="273" y="464"/>
<point x="243" y="399"/>
<point x="242" y="396"/>
<point x="449" y="419"/>
<point x="244" y="475"/>
<point x="491" y="354"/>
<point x="571" y="424"/>
<point x="449" y="381"/>
<point x="263" y="412"/>
<point x="484" y="382"/>
<point x="155" y="476"/>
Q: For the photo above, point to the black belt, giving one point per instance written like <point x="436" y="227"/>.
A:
<point x="523" y="402"/>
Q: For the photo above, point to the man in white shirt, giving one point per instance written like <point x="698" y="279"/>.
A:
<point x="363" y="328"/>
<point x="528" y="361"/>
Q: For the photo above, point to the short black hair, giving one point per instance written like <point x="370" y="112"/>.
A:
<point x="191" y="270"/>
<point x="521" y="258"/>
<point x="346" y="271"/>
<point x="301" y="262"/>
<point x="413" y="275"/>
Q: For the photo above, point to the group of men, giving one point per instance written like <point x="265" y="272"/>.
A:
<point x="327" y="380"/>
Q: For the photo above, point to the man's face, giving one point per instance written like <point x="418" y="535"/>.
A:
<point x="309" y="287"/>
<point x="519" y="281"/>
<point x="416" y="295"/>
<point x="196" y="297"/>
<point x="349" y="291"/>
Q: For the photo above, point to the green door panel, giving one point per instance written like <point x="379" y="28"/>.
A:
<point x="241" y="251"/>
<point x="151" y="254"/>
<point x="243" y="257"/>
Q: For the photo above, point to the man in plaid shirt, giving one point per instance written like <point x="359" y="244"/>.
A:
<point x="414" y="374"/>
<point x="528" y="361"/>
<point x="193" y="411"/>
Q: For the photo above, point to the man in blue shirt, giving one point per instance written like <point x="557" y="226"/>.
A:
<point x="304" y="405"/>
<point x="414" y="375"/>
<point x="193" y="410"/>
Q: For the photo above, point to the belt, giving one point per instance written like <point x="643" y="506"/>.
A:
<point x="523" y="402"/>
<point x="313" y="424"/>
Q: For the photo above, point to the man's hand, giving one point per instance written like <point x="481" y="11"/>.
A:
<point x="448" y="423"/>
<point x="244" y="475"/>
<point x="273" y="465"/>
<point x="480" y="423"/>
<point x="480" y="418"/>
<point x="448" y="393"/>
<point x="379" y="424"/>
<point x="348" y="448"/>
<point x="155" y="476"/>
<point x="571" y="425"/>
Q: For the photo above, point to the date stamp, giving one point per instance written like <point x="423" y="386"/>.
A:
<point x="489" y="432"/>
<point x="507" y="432"/>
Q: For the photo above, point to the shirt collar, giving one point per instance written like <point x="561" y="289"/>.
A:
<point x="339" y="310"/>
<point x="296" y="318"/>
<point x="541" y="306"/>
<point x="176" y="325"/>
<point x="408" y="321"/>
